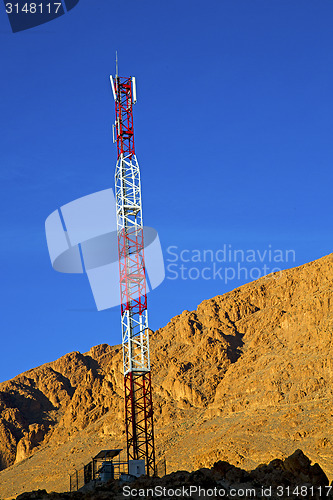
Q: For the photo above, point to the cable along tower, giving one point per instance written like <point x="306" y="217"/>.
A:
<point x="134" y="318"/>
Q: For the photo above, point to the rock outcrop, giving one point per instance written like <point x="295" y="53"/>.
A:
<point x="247" y="377"/>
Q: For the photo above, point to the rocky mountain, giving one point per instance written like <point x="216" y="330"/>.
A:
<point x="245" y="378"/>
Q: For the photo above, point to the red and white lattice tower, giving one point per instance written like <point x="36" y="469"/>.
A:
<point x="134" y="319"/>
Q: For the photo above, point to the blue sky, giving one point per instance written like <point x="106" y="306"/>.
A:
<point x="233" y="131"/>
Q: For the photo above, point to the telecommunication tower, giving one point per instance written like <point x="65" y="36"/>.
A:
<point x="134" y="318"/>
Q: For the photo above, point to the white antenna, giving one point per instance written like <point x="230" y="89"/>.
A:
<point x="113" y="88"/>
<point x="116" y="64"/>
<point x="134" y="90"/>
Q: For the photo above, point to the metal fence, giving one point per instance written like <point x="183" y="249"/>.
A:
<point x="90" y="472"/>
<point x="160" y="468"/>
<point x="76" y="480"/>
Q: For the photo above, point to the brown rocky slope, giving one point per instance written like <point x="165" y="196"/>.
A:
<point x="245" y="378"/>
<point x="279" y="480"/>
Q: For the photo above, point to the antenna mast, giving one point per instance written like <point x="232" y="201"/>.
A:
<point x="134" y="318"/>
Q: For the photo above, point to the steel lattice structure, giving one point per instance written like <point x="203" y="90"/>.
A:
<point x="134" y="318"/>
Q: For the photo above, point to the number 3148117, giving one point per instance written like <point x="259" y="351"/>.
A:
<point x="33" y="8"/>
